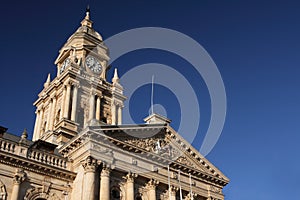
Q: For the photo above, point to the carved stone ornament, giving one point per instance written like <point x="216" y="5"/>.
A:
<point x="215" y="189"/>
<point x="184" y="161"/>
<point x="151" y="185"/>
<point x="90" y="164"/>
<point x="130" y="177"/>
<point x="105" y="170"/>
<point x="190" y="196"/>
<point x="19" y="176"/>
<point x="149" y="144"/>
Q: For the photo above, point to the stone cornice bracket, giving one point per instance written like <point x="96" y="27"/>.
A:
<point x="19" y="176"/>
<point x="90" y="164"/>
<point x="152" y="184"/>
<point x="105" y="170"/>
<point x="130" y="177"/>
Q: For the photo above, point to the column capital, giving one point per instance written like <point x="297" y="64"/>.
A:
<point x="190" y="196"/>
<point x="105" y="170"/>
<point x="67" y="84"/>
<point x="151" y="185"/>
<point x="173" y="190"/>
<point x="75" y="84"/>
<point x="93" y="91"/>
<point x="90" y="164"/>
<point x="19" y="176"/>
<point x="130" y="177"/>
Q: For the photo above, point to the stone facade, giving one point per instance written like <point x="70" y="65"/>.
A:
<point x="81" y="151"/>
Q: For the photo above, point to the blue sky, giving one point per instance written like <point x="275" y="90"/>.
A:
<point x="255" y="45"/>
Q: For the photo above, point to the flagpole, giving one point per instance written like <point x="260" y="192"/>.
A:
<point x="152" y="91"/>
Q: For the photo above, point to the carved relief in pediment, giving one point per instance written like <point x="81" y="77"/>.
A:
<point x="183" y="160"/>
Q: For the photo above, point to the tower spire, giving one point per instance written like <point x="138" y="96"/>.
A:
<point x="86" y="21"/>
<point x="87" y="12"/>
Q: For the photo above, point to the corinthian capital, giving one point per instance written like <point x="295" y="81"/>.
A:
<point x="19" y="176"/>
<point x="173" y="190"/>
<point x="152" y="184"/>
<point x="105" y="170"/>
<point x="90" y="164"/>
<point x="130" y="177"/>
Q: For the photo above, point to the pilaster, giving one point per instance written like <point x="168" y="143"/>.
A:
<point x="92" y="106"/>
<point x="113" y="113"/>
<point x="98" y="105"/>
<point x="120" y="107"/>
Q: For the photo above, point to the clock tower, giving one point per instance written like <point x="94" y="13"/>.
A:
<point x="79" y="95"/>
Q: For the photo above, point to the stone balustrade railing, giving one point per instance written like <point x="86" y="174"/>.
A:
<point x="33" y="154"/>
<point x="46" y="158"/>
<point x="7" y="146"/>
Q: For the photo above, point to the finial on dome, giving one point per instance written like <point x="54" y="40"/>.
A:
<point x="47" y="83"/>
<point x="116" y="77"/>
<point x="86" y="21"/>
<point x="87" y="11"/>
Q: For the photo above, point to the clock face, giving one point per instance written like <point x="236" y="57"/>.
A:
<point x="93" y="64"/>
<point x="64" y="65"/>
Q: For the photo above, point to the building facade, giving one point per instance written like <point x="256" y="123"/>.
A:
<point x="80" y="149"/>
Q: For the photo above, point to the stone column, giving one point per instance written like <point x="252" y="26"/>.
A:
<point x="172" y="192"/>
<point x="74" y="103"/>
<point x="119" y="115"/>
<point x="49" y="116"/>
<point x="151" y="186"/>
<point x="105" y="183"/>
<point x="92" y="106"/>
<point x="35" y="133"/>
<point x="90" y="166"/>
<point x="40" y="124"/>
<point x="98" y="104"/>
<point x="113" y="114"/>
<point x="130" y="185"/>
<point x="19" y="177"/>
<point x="62" y="104"/>
<point x="52" y="116"/>
<point x="67" y="102"/>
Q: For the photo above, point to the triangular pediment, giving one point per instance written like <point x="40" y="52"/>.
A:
<point x="159" y="144"/>
<point x="165" y="146"/>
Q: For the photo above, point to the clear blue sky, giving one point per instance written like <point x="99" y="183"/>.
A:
<point x="255" y="44"/>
